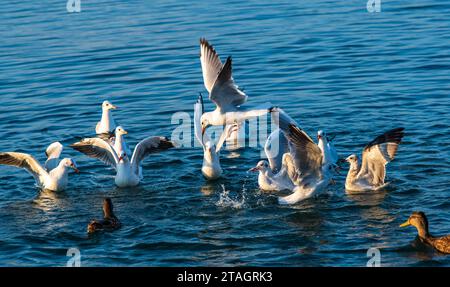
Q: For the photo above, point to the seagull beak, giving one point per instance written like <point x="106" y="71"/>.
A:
<point x="406" y="223"/>
<point x="76" y="170"/>
<point x="120" y="158"/>
<point x="203" y="133"/>
<point x="254" y="169"/>
<point x="113" y="107"/>
<point x="125" y="132"/>
<point x="203" y="130"/>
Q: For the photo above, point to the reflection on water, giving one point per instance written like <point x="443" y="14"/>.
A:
<point x="48" y="200"/>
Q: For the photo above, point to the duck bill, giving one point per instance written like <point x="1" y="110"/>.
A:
<point x="404" y="224"/>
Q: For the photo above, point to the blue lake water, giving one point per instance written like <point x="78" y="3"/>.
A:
<point x="330" y="65"/>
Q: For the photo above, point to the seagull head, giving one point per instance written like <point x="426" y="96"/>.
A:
<point x="261" y="166"/>
<point x="352" y="158"/>
<point x="70" y="163"/>
<point x="321" y="135"/>
<point x="120" y="131"/>
<point x="204" y="122"/>
<point x="123" y="156"/>
<point x="108" y="106"/>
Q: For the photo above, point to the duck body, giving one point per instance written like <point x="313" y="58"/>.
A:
<point x="108" y="223"/>
<point x="441" y="244"/>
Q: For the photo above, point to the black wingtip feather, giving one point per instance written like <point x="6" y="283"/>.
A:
<point x="392" y="136"/>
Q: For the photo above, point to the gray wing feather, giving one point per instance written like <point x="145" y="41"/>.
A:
<point x="25" y="161"/>
<point x="377" y="154"/>
<point x="97" y="148"/>
<point x="211" y="64"/>
<point x="146" y="147"/>
<point x="225" y="93"/>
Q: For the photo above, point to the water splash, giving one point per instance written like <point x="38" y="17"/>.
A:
<point x="226" y="201"/>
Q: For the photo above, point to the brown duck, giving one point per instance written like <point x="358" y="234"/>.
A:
<point x="109" y="221"/>
<point x="420" y="221"/>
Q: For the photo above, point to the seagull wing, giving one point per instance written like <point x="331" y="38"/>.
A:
<point x="306" y="155"/>
<point x="146" y="147"/>
<point x="275" y="147"/>
<point x="97" y="148"/>
<point x="225" y="94"/>
<point x="226" y="133"/>
<point x="27" y="162"/>
<point x="211" y="64"/>
<point x="377" y="154"/>
<point x="198" y="112"/>
<point x="53" y="152"/>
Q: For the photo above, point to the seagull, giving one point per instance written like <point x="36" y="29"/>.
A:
<point x="274" y="173"/>
<point x="52" y="177"/>
<point x="128" y="172"/>
<point x="211" y="168"/>
<point x="305" y="158"/>
<point x="119" y="141"/>
<point x="106" y="125"/>
<point x="228" y="98"/>
<point x="376" y="154"/>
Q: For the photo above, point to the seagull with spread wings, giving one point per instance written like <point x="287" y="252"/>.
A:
<point x="223" y="91"/>
<point x="376" y="154"/>
<point x="305" y="162"/>
<point x="52" y="176"/>
<point x="211" y="168"/>
<point x="128" y="171"/>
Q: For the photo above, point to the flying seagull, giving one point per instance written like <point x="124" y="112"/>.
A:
<point x="223" y="91"/>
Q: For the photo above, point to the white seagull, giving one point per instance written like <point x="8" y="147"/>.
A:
<point x="211" y="168"/>
<point x="107" y="124"/>
<point x="376" y="154"/>
<point x="273" y="173"/>
<point x="53" y="177"/>
<point x="306" y="159"/>
<point x="128" y="172"/>
<point x="228" y="98"/>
